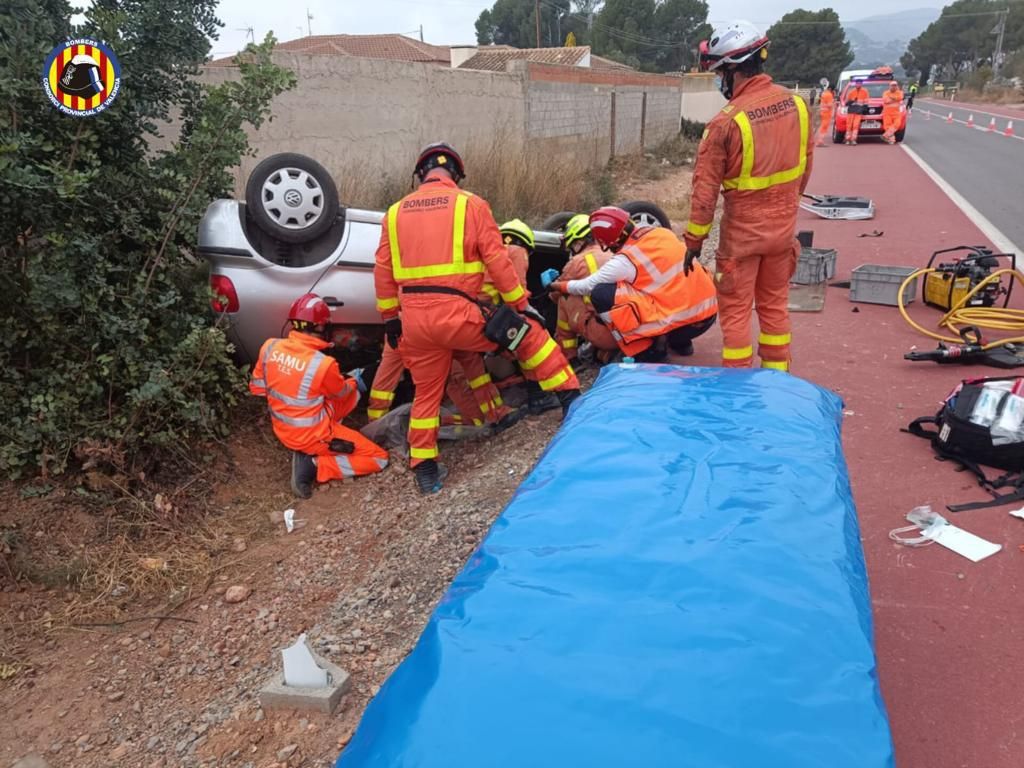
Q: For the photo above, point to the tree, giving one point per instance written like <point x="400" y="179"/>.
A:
<point x="653" y="35"/>
<point x="807" y="46"/>
<point x="514" y="22"/>
<point x="106" y="345"/>
<point x="962" y="39"/>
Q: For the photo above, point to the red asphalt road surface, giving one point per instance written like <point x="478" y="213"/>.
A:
<point x="949" y="633"/>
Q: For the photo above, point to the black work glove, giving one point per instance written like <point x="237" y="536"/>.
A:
<point x="337" y="445"/>
<point x="393" y="331"/>
<point x="691" y="256"/>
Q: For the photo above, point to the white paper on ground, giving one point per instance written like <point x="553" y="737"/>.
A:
<point x="301" y="669"/>
<point x="290" y="522"/>
<point x="962" y="542"/>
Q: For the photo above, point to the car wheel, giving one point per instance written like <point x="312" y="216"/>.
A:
<point x="646" y="214"/>
<point x="838" y="137"/>
<point x="557" y="222"/>
<point x="292" y="198"/>
<point x="899" y="135"/>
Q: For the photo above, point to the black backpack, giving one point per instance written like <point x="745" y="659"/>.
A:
<point x="957" y="438"/>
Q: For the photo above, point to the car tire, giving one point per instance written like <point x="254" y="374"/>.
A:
<point x="646" y="213"/>
<point x="292" y="198"/>
<point x="557" y="222"/>
<point x="899" y="135"/>
<point x="838" y="137"/>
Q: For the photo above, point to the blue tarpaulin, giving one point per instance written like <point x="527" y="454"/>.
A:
<point x="678" y="582"/>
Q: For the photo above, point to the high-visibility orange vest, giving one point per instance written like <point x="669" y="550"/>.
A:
<point x="427" y="233"/>
<point x="290" y="373"/>
<point x="661" y="298"/>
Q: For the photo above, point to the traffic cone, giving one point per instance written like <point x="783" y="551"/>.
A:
<point x="992" y="125"/>
<point x="1009" y="129"/>
<point x="950" y="118"/>
<point x="970" y="121"/>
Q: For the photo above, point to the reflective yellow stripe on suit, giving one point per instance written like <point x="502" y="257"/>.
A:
<point x="457" y="266"/>
<point x="747" y="180"/>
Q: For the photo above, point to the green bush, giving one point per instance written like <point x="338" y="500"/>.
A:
<point x="106" y="344"/>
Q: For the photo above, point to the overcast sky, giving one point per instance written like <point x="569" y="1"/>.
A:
<point x="451" y="21"/>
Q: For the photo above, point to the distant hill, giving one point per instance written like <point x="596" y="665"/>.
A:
<point x="883" y="39"/>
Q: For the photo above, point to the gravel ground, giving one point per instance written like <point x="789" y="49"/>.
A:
<point x="360" y="578"/>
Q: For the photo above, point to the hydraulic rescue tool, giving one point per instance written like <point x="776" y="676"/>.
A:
<point x="968" y="289"/>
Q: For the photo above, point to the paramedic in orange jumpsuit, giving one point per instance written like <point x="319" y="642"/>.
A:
<point x="856" y="98"/>
<point x="308" y="397"/>
<point x="758" y="151"/>
<point x="827" y="105"/>
<point x="648" y="289"/>
<point x="892" y="100"/>
<point x="435" y="246"/>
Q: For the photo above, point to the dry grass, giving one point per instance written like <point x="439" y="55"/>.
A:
<point x="1008" y="96"/>
<point x="528" y="183"/>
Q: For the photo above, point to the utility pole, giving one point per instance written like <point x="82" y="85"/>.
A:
<point x="309" y="22"/>
<point x="421" y="33"/>
<point x="1000" y="30"/>
<point x="536" y="11"/>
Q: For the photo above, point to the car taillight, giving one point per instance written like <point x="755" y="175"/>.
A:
<point x="225" y="298"/>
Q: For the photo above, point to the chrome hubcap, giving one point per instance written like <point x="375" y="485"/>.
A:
<point x="293" y="198"/>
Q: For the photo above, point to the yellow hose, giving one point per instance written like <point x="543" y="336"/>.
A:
<point x="989" y="318"/>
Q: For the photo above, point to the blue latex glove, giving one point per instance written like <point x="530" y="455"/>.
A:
<point x="548" y="276"/>
<point x="357" y="374"/>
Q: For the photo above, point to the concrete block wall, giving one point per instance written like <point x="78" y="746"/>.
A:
<point x="574" y="107"/>
<point x="553" y="110"/>
<point x="370" y="117"/>
<point x="662" y="116"/>
<point x="628" y="113"/>
<point x="365" y="119"/>
<point x="701" y="99"/>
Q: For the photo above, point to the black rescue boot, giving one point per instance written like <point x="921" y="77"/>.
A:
<point x="566" y="398"/>
<point x="430" y="476"/>
<point x="508" y="420"/>
<point x="539" y="401"/>
<point x="303" y="474"/>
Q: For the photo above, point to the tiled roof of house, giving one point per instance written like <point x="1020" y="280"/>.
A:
<point x="599" y="62"/>
<point x="494" y="58"/>
<point x="394" y="47"/>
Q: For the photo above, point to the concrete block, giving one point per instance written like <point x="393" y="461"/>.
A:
<point x="31" y="761"/>
<point x="277" y="695"/>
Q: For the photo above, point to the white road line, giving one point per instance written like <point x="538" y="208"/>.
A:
<point x="982" y="128"/>
<point x="997" y="238"/>
<point x="955" y="105"/>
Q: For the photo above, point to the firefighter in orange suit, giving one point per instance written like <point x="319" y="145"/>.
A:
<point x="827" y="108"/>
<point x="856" y="105"/>
<point x="469" y="386"/>
<point x="758" y="151"/>
<point x="576" y="316"/>
<point x="436" y="243"/>
<point x="308" y="397"/>
<point x="892" y="100"/>
<point x="648" y="289"/>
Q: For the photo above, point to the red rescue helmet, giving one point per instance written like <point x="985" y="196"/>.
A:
<point x="610" y="227"/>
<point x="310" y="308"/>
<point x="440" y="155"/>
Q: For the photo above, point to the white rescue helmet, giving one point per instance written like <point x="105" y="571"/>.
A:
<point x="732" y="43"/>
